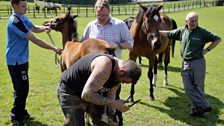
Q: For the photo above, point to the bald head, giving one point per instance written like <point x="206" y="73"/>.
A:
<point x="191" y="15"/>
<point x="191" y="20"/>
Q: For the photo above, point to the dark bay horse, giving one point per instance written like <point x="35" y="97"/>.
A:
<point x="74" y="50"/>
<point x="52" y="8"/>
<point x="148" y="43"/>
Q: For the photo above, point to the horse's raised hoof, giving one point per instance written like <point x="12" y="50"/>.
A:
<point x="151" y="98"/>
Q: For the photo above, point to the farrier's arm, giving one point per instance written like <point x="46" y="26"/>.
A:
<point x="101" y="69"/>
<point x="112" y="95"/>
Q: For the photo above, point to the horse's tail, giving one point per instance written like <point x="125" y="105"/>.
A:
<point x="174" y="26"/>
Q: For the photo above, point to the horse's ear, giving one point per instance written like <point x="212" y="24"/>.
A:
<point x="74" y="16"/>
<point x="143" y="7"/>
<point x="69" y="9"/>
<point x="161" y="6"/>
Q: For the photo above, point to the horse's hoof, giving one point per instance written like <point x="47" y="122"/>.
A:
<point x="151" y="98"/>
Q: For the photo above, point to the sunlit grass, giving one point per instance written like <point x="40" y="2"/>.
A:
<point x="171" y="105"/>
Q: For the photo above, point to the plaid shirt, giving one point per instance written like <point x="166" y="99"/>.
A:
<point x="115" y="31"/>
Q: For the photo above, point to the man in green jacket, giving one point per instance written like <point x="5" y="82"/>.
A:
<point x="193" y="39"/>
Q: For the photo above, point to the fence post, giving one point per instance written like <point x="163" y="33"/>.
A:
<point x="168" y="9"/>
<point x="179" y="6"/>
<point x="56" y="11"/>
<point x="77" y="10"/>
<point x="118" y="9"/>
<point x="174" y="7"/>
<point x="28" y="8"/>
<point x="86" y="10"/>
<point x="125" y="7"/>
<point x="34" y="12"/>
<point x="45" y="15"/>
<point x="10" y="10"/>
<point x="133" y="9"/>
<point x="188" y="5"/>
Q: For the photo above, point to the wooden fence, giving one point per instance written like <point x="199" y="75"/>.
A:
<point x="88" y="10"/>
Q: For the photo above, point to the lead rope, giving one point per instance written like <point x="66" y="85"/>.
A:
<point x="57" y="61"/>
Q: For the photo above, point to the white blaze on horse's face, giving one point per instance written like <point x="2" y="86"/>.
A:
<point x="156" y="18"/>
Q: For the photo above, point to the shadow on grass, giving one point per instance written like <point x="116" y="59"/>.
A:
<point x="30" y="123"/>
<point x="35" y="123"/>
<point x="179" y="109"/>
<point x="170" y="68"/>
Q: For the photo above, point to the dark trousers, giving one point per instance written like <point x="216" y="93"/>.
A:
<point x="73" y="108"/>
<point x="19" y="76"/>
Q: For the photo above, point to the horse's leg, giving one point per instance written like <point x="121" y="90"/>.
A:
<point x="155" y="72"/>
<point x="152" y="60"/>
<point x="131" y="97"/>
<point x="166" y="62"/>
<point x="160" y="59"/>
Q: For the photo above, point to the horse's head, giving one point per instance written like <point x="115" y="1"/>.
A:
<point x="65" y="24"/>
<point x="150" y="18"/>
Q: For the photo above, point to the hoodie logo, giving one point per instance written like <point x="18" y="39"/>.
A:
<point x="15" y="20"/>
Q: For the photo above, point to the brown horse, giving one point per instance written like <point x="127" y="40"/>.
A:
<point x="73" y="49"/>
<point x="144" y="29"/>
<point x="52" y="8"/>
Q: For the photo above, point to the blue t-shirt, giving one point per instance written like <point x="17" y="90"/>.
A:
<point x="17" y="49"/>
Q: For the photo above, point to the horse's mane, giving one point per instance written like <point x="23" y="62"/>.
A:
<point x="74" y="30"/>
<point x="139" y="16"/>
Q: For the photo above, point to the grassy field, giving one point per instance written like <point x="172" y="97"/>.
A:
<point x="171" y="105"/>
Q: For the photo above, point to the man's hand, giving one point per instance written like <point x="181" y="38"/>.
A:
<point x="57" y="50"/>
<point x="119" y="105"/>
<point x="47" y="29"/>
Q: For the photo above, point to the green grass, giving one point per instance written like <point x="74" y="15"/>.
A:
<point x="171" y="105"/>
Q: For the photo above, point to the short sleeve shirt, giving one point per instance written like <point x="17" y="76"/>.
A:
<point x="192" y="43"/>
<point x="115" y="31"/>
<point x="17" y="49"/>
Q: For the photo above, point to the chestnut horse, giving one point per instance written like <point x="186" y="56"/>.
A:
<point x="144" y="29"/>
<point x="74" y="50"/>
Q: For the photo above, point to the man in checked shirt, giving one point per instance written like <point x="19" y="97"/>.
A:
<point x="110" y="29"/>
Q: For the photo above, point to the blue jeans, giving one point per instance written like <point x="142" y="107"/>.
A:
<point x="20" y="80"/>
